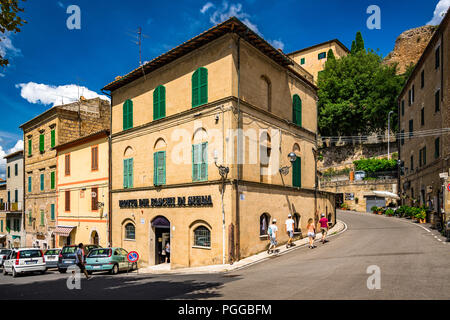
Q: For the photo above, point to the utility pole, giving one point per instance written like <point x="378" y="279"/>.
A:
<point x="389" y="132"/>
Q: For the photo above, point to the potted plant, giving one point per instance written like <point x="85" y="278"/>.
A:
<point x="421" y="215"/>
<point x="344" y="206"/>
<point x="374" y="209"/>
<point x="380" y="210"/>
<point x="389" y="212"/>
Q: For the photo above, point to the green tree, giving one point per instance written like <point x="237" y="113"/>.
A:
<point x="330" y="55"/>
<point x="356" y="94"/>
<point x="359" y="42"/>
<point x="353" y="49"/>
<point x="9" y="21"/>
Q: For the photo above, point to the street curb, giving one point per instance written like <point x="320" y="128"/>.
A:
<point x="175" y="272"/>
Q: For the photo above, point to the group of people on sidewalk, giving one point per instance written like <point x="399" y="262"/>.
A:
<point x="289" y="228"/>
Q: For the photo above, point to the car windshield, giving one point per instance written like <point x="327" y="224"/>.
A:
<point x="51" y="252"/>
<point x="69" y="250"/>
<point x="4" y="251"/>
<point x="97" y="253"/>
<point x="30" y="254"/>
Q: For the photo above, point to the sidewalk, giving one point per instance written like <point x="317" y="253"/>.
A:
<point x="165" y="267"/>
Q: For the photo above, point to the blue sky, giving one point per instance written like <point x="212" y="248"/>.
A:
<point x="48" y="61"/>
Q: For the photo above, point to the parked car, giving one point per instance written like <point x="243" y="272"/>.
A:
<point x="51" y="257"/>
<point x="109" y="259"/>
<point x="66" y="257"/>
<point x="24" y="260"/>
<point x="3" y="254"/>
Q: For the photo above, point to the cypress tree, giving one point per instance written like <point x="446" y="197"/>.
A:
<point x="330" y="55"/>
<point x="353" y="49"/>
<point x="359" y="42"/>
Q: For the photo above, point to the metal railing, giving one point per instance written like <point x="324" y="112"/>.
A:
<point x="11" y="206"/>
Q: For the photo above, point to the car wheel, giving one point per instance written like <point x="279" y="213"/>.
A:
<point x="115" y="269"/>
<point x="62" y="270"/>
<point x="14" y="273"/>
<point x="43" y="271"/>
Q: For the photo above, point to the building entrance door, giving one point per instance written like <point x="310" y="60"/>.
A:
<point x="161" y="227"/>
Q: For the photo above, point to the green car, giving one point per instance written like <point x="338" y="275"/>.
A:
<point x="109" y="259"/>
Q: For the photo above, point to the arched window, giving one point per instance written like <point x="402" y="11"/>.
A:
<point x="263" y="224"/>
<point x="130" y="231"/>
<point x="159" y="102"/>
<point x="127" y="114"/>
<point x="267" y="92"/>
<point x="297" y="172"/>
<point x="202" y="237"/>
<point x="297" y="110"/>
<point x="199" y="87"/>
<point x="296" y="222"/>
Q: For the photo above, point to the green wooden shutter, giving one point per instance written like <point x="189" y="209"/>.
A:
<point x="1" y="226"/>
<point x="162" y="102"/>
<point x="125" y="115"/>
<point x="52" y="180"/>
<point x="42" y="217"/>
<point x="297" y="173"/>
<point x="42" y="182"/>
<point x="29" y="184"/>
<point x="52" y="143"/>
<point x="30" y="217"/>
<point x="52" y="210"/>
<point x="195" y="167"/>
<point x="297" y="110"/>
<point x="203" y="86"/>
<point x="156" y="103"/>
<point x="130" y="173"/>
<point x="130" y="114"/>
<point x="125" y="173"/>
<point x="204" y="161"/>
<point x="29" y="147"/>
<point x="159" y="159"/>
<point x="195" y="88"/>
<point x="41" y="143"/>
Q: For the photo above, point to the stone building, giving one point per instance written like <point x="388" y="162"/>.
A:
<point x="423" y="106"/>
<point x="82" y="190"/>
<point x="58" y="125"/>
<point x="3" y="206"/>
<point x="14" y="205"/>
<point x="313" y="58"/>
<point x="225" y="99"/>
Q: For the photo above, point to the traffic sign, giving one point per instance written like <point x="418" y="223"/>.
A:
<point x="133" y="256"/>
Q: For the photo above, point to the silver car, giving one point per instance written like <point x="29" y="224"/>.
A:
<point x="51" y="257"/>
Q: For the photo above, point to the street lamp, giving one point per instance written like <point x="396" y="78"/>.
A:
<point x="285" y="170"/>
<point x="223" y="171"/>
<point x="389" y="132"/>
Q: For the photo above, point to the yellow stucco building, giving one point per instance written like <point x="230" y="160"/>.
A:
<point x="82" y="191"/>
<point x="224" y="98"/>
<point x="313" y="58"/>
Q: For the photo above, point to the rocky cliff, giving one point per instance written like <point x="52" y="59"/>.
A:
<point x="409" y="46"/>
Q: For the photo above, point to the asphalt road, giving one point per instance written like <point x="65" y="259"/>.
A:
<point x="413" y="264"/>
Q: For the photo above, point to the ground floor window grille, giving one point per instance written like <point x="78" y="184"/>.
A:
<point x="202" y="237"/>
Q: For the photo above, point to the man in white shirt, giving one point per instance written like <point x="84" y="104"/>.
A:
<point x="273" y="229"/>
<point x="289" y="227"/>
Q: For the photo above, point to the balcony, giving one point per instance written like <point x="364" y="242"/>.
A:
<point x="11" y="206"/>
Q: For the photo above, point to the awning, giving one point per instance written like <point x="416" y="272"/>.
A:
<point x="386" y="194"/>
<point x="64" y="231"/>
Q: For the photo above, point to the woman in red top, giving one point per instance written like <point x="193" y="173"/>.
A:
<point x="323" y="227"/>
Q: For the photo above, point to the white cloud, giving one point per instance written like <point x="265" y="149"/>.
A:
<point x="17" y="147"/>
<point x="7" y="48"/>
<point x="55" y="95"/>
<point x="206" y="6"/>
<point x="439" y="12"/>
<point x="228" y="10"/>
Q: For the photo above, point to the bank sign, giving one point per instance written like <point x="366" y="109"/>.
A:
<point x="192" y="201"/>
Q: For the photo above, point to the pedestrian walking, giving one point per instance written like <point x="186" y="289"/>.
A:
<point x="289" y="226"/>
<point x="273" y="229"/>
<point x="167" y="250"/>
<point x="80" y="260"/>
<point x="311" y="233"/>
<point x="324" y="227"/>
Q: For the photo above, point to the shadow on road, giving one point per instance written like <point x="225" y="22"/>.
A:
<point x="122" y="287"/>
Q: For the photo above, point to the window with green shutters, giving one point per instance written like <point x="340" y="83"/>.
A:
<point x="8" y="225"/>
<point x="30" y="143"/>
<point x="42" y="182"/>
<point x="30" y="218"/>
<point x="302" y="61"/>
<point x="436" y="148"/>
<point x="52" y="212"/>
<point x="159" y="103"/>
<point x="159" y="168"/>
<point x="16" y="195"/>
<point x="1" y="226"/>
<point x="41" y="143"/>
<point x="128" y="115"/>
<point x="128" y="173"/>
<point x="52" y="180"/>
<point x="322" y="55"/>
<point x="200" y="162"/>
<point x="52" y="140"/>
<point x="199" y="87"/>
<point x="29" y="184"/>
<point x="297" y="172"/>
<point x="297" y="110"/>
<point x="42" y="218"/>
